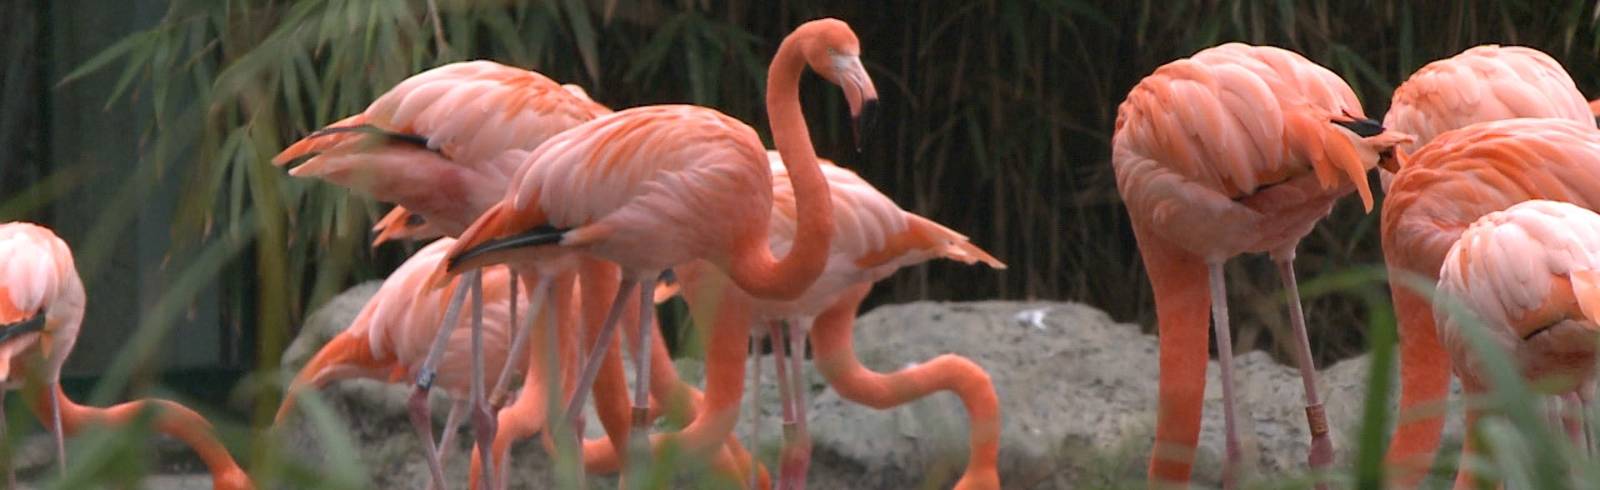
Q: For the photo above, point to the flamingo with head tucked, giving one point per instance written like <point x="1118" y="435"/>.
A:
<point x="1485" y="83"/>
<point x="1237" y="149"/>
<point x="1530" y="275"/>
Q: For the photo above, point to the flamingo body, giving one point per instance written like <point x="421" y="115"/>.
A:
<point x="1237" y="149"/>
<point x="1448" y="184"/>
<point x="1485" y="83"/>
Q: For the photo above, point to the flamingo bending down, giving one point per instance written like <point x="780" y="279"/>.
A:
<point x="1485" y="83"/>
<point x="526" y="415"/>
<point x="1447" y="185"/>
<point x="873" y="238"/>
<point x="1237" y="149"/>
<point x="442" y="144"/>
<point x="41" y="310"/>
<point x="653" y="187"/>
<point x="391" y="337"/>
<point x="1531" y="275"/>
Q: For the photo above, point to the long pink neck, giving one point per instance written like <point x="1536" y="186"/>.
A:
<point x="172" y="419"/>
<point x="754" y="268"/>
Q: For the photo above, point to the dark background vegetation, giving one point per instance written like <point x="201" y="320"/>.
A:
<point x="142" y="131"/>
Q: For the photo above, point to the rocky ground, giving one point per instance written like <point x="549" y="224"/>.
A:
<point x="1077" y="392"/>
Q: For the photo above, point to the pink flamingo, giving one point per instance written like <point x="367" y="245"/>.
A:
<point x="654" y="187"/>
<point x="1485" y="83"/>
<point x="442" y="143"/>
<point x="1530" y="275"/>
<point x="391" y="337"/>
<point x="1439" y="192"/>
<point x="1237" y="149"/>
<point x="41" y="311"/>
<point x="873" y="238"/>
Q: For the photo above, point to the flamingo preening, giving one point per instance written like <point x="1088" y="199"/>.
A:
<point x="1237" y="149"/>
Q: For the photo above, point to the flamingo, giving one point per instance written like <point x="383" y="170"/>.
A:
<point x="872" y="239"/>
<point x="442" y="143"/>
<point x="1484" y="83"/>
<point x="526" y="415"/>
<point x="390" y="338"/>
<point x="1531" y="275"/>
<point x="653" y="187"/>
<point x="41" y="309"/>
<point x="1236" y="149"/>
<point x="1439" y="192"/>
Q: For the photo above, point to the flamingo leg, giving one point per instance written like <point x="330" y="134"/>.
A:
<point x="55" y="428"/>
<point x="1219" y="318"/>
<point x="592" y="361"/>
<point x="639" y="436"/>
<point x="780" y="359"/>
<point x="1321" y="455"/>
<point x="519" y="341"/>
<point x="799" y="457"/>
<point x="755" y="406"/>
<point x="1572" y="419"/>
<point x="11" y="471"/>
<point x="498" y="395"/>
<point x="452" y="423"/>
<point x="483" y="420"/>
<point x="417" y="405"/>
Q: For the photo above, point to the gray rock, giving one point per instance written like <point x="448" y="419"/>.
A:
<point x="1077" y="394"/>
<point x="1078" y="397"/>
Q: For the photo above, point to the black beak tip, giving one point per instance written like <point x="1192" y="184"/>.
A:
<point x="865" y="120"/>
<point x="1365" y="128"/>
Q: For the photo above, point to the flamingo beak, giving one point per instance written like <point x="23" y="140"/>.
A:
<point x="859" y="93"/>
<point x="31" y="325"/>
<point x="864" y="119"/>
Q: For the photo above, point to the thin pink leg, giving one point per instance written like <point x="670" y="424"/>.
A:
<point x="417" y="405"/>
<point x="483" y="419"/>
<point x="1219" y="319"/>
<point x="639" y="435"/>
<point x="780" y="358"/>
<point x="11" y="471"/>
<point x="799" y="455"/>
<point x="755" y="407"/>
<point x="1321" y="455"/>
<point x="452" y="423"/>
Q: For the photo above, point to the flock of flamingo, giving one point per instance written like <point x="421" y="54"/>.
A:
<point x="564" y="221"/>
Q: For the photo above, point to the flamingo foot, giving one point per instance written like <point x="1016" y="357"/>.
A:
<point x="1321" y="457"/>
<point x="421" y="421"/>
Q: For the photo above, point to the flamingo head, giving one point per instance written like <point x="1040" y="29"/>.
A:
<point x="833" y="51"/>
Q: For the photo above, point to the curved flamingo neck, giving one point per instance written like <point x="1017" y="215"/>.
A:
<point x="753" y="267"/>
<point x="171" y="419"/>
